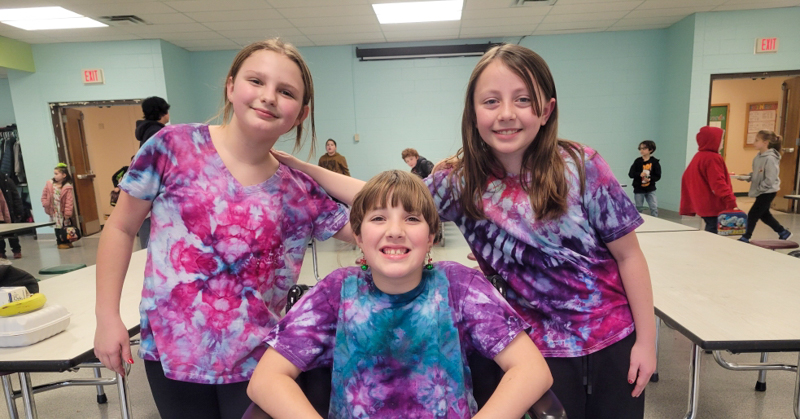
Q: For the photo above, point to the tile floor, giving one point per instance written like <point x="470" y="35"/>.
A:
<point x="724" y="394"/>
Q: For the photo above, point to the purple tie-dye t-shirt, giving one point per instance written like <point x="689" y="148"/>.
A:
<point x="563" y="280"/>
<point x="398" y="355"/>
<point x="221" y="257"/>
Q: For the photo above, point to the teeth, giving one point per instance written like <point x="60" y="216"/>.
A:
<point x="507" y="131"/>
<point x="394" y="251"/>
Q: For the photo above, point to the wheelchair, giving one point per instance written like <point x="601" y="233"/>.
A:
<point x="486" y="375"/>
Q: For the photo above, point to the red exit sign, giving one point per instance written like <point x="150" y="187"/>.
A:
<point x="93" y="76"/>
<point x="766" y="45"/>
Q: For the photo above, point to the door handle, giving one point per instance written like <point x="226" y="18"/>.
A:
<point x="787" y="150"/>
<point x="86" y="176"/>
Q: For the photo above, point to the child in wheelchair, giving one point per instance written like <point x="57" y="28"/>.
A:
<point x="396" y="331"/>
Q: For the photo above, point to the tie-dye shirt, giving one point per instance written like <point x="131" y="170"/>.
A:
<point x="221" y="257"/>
<point x="562" y="277"/>
<point x="399" y="355"/>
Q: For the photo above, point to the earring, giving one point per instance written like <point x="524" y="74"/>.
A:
<point x="429" y="265"/>
<point x="363" y="262"/>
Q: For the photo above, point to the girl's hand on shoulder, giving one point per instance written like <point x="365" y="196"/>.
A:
<point x="288" y="159"/>
<point x="643" y="365"/>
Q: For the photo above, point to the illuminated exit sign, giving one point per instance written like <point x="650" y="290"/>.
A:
<point x="93" y="76"/>
<point x="766" y="45"/>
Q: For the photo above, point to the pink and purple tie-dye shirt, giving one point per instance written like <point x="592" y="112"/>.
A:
<point x="398" y="355"/>
<point x="221" y="257"/>
<point x="563" y="280"/>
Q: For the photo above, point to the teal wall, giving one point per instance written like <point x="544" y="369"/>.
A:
<point x="6" y="107"/>
<point x="132" y="69"/>
<point x="180" y="91"/>
<point x="675" y="91"/>
<point x="724" y="43"/>
<point x="615" y="89"/>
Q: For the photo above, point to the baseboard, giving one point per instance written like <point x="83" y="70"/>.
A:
<point x="740" y="194"/>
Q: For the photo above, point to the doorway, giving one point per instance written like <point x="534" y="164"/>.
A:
<point x="745" y="103"/>
<point x="95" y="139"/>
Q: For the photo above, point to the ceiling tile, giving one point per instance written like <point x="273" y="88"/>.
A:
<point x="325" y="11"/>
<point x="180" y="27"/>
<point x="234" y="15"/>
<point x="216" y="5"/>
<point x="659" y="21"/>
<point x="285" y="4"/>
<point x="207" y="35"/>
<point x="345" y="39"/>
<point x="248" y="24"/>
<point x="296" y="40"/>
<point x="321" y="30"/>
<point x="682" y="12"/>
<point x="165" y="18"/>
<point x="496" y="31"/>
<point x="617" y="6"/>
<point x="334" y="21"/>
<point x="421" y="35"/>
<point x="127" y="8"/>
<point x="499" y="22"/>
<point x="661" y="4"/>
<point x="599" y="25"/>
<point x="583" y="17"/>
<point x="503" y="12"/>
<point x="263" y="33"/>
<point x="421" y="26"/>
<point x="219" y="43"/>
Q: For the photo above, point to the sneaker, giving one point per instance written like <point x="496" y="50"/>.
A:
<point x="17" y="255"/>
<point x="785" y="234"/>
<point x="744" y="239"/>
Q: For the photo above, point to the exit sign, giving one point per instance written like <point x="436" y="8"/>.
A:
<point x="93" y="76"/>
<point x="766" y="45"/>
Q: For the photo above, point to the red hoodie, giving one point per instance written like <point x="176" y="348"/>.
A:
<point x="706" y="185"/>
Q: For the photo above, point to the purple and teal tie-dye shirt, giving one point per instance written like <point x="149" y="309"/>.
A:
<point x="221" y="257"/>
<point x="398" y="355"/>
<point x="563" y="280"/>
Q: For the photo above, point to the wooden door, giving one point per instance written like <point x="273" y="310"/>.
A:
<point x="81" y="170"/>
<point x="790" y="132"/>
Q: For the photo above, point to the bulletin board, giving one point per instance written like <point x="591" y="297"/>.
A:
<point x="718" y="117"/>
<point x="760" y="116"/>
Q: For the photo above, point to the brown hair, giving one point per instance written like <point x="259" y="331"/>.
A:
<point x="404" y="188"/>
<point x="773" y="140"/>
<point x="542" y="172"/>
<point x="409" y="152"/>
<point x="288" y="50"/>
<point x="62" y="167"/>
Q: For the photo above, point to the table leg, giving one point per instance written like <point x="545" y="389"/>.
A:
<point x="761" y="384"/>
<point x="694" y="384"/>
<point x="797" y="391"/>
<point x="654" y="377"/>
<point x="122" y="388"/>
<point x="27" y="395"/>
<point x="101" y="393"/>
<point x="8" y="392"/>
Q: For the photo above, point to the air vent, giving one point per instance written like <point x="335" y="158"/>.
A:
<point x="530" y="2"/>
<point x="123" y="20"/>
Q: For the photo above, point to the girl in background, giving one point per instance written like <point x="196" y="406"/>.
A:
<point x="549" y="217"/>
<point x="230" y="226"/>
<point x="58" y="202"/>
<point x="765" y="182"/>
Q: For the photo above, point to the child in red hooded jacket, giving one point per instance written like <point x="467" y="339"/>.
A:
<point x="706" y="185"/>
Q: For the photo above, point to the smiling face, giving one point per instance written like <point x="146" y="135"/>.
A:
<point x="505" y="117"/>
<point x="330" y="148"/>
<point x="266" y="95"/>
<point x="395" y="243"/>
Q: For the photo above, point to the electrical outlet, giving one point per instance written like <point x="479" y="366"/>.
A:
<point x="356" y="138"/>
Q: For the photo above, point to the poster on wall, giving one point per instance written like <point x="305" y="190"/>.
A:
<point x="760" y="116"/>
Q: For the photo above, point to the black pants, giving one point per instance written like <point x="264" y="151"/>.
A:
<point x="760" y="211"/>
<point x="13" y="241"/>
<point x="596" y="386"/>
<point x="180" y="399"/>
<point x="711" y="224"/>
<point x="61" y="236"/>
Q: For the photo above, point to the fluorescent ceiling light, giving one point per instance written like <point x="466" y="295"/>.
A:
<point x="41" y="18"/>
<point x="420" y="11"/>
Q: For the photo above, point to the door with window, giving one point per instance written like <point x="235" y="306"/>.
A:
<point x="81" y="170"/>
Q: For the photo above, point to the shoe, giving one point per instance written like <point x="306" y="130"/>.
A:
<point x="63" y="246"/>
<point x="744" y="239"/>
<point x="785" y="234"/>
<point x="17" y="255"/>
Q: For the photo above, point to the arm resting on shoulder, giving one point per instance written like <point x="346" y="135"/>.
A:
<point x="527" y="377"/>
<point x="636" y="281"/>
<point x="341" y="187"/>
<point x="111" y="344"/>
<point x="274" y="389"/>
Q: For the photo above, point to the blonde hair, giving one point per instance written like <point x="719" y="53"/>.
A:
<point x="290" y="52"/>
<point x="404" y="189"/>
<point x="773" y="140"/>
<point x="542" y="174"/>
